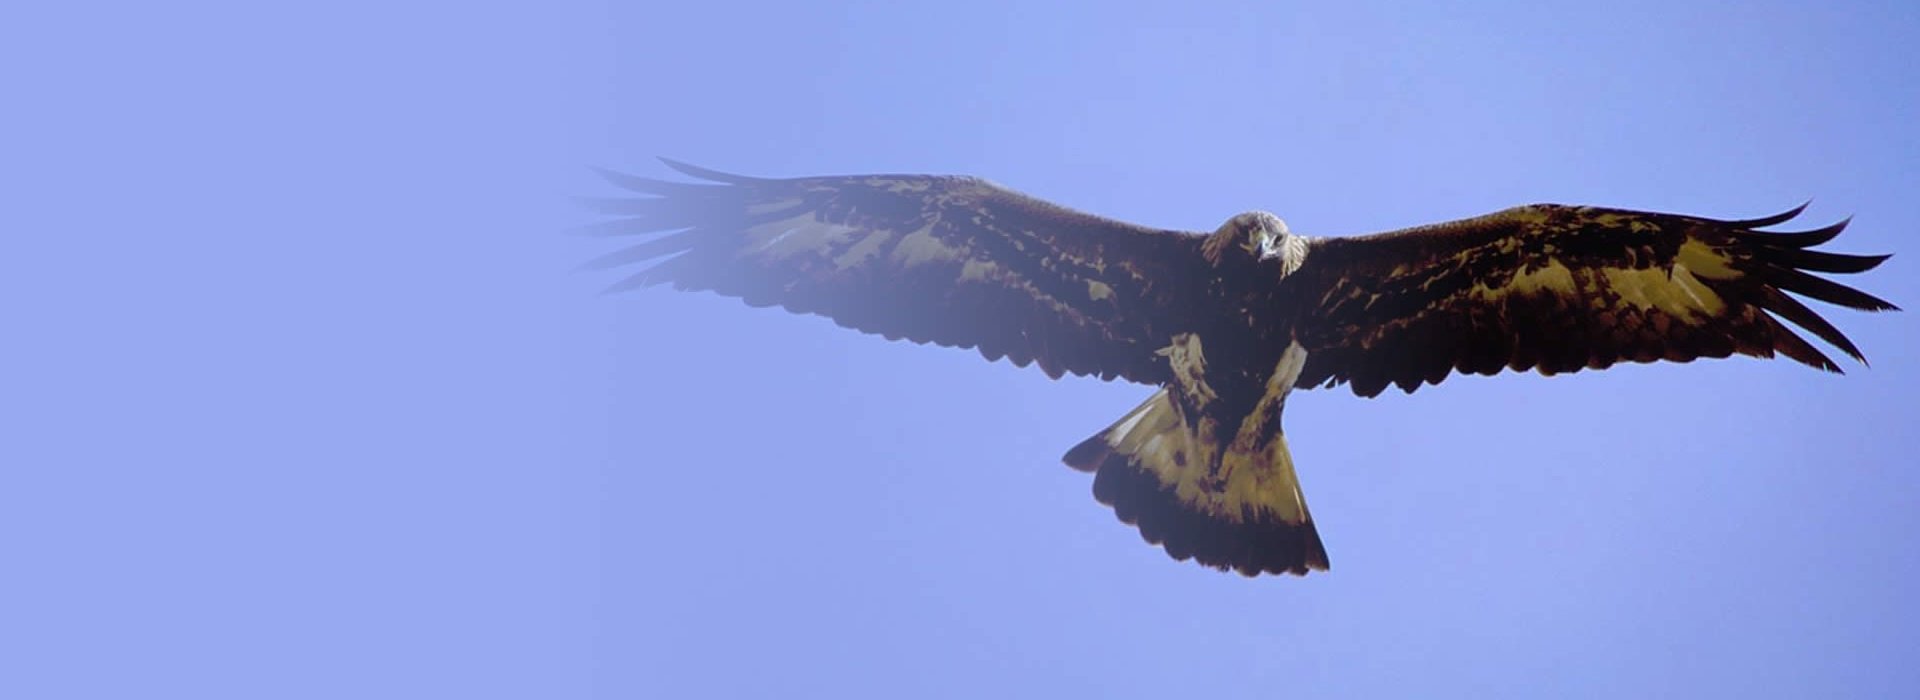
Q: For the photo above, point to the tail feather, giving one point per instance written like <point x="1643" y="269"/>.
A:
<point x="1234" y="506"/>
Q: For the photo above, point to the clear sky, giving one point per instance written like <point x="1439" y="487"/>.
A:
<point x="303" y="401"/>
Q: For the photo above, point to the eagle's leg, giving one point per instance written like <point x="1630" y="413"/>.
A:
<point x="1206" y="479"/>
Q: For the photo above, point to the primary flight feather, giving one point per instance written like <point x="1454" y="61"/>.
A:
<point x="1228" y="323"/>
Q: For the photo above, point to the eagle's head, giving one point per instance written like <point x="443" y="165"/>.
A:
<point x="1261" y="235"/>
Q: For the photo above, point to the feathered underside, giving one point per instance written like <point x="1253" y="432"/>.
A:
<point x="1558" y="289"/>
<point x="954" y="261"/>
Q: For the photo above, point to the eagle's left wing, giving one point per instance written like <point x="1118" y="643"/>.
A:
<point x="955" y="261"/>
<point x="1559" y="288"/>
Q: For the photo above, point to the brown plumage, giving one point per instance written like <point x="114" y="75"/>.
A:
<point x="1560" y="289"/>
<point x="1228" y="323"/>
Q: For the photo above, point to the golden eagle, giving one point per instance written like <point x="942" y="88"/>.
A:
<point x="1228" y="323"/>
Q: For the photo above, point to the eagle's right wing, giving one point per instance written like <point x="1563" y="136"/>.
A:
<point x="949" y="260"/>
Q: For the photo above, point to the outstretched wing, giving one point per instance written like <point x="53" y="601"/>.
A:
<point x="1560" y="288"/>
<point x="954" y="261"/>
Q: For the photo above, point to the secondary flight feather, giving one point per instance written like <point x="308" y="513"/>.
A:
<point x="1228" y="323"/>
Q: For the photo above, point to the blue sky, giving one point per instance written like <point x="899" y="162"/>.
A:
<point x="304" y="401"/>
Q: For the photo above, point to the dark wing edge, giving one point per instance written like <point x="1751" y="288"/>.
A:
<point x="1557" y="288"/>
<point x="954" y="261"/>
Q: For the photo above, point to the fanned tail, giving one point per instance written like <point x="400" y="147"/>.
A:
<point x="1243" y="513"/>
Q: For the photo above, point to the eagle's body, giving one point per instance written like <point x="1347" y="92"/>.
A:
<point x="1229" y="323"/>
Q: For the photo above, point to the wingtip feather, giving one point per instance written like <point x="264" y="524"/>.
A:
<point x="708" y="174"/>
<point x="1790" y="309"/>
<point x="619" y="179"/>
<point x="1765" y="221"/>
<point x="1821" y="261"/>
<point x="1827" y="290"/>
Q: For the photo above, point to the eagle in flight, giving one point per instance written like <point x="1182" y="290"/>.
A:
<point x="1228" y="323"/>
